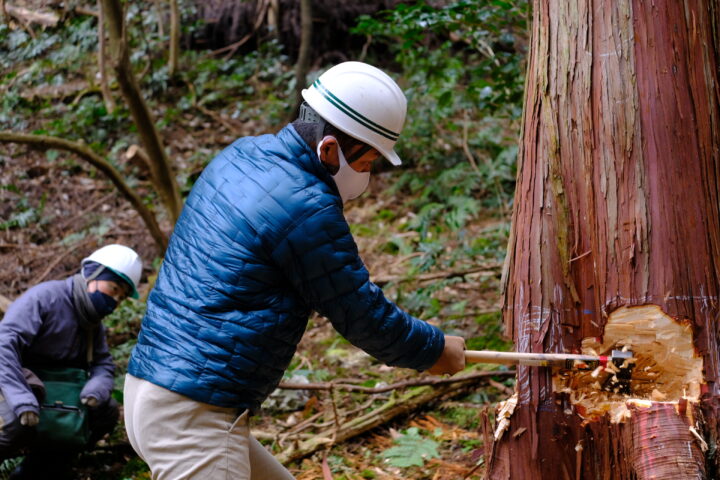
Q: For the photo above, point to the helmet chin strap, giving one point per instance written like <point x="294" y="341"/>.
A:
<point x="308" y="115"/>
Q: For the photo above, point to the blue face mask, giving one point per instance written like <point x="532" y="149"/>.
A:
<point x="104" y="304"/>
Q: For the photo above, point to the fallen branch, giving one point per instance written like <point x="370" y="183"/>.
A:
<point x="394" y="407"/>
<point x="58" y="259"/>
<point x="421" y="382"/>
<point x="465" y="146"/>
<point x="28" y="16"/>
<point x="233" y="47"/>
<point x="491" y="269"/>
<point x="84" y="152"/>
<point x="87" y="11"/>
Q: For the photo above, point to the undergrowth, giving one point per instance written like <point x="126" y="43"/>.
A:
<point x="461" y="67"/>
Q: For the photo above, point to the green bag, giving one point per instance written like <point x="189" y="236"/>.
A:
<point x="63" y="419"/>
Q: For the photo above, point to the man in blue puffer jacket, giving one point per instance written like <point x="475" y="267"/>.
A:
<point x="262" y="242"/>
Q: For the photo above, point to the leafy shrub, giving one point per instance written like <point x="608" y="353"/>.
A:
<point x="461" y="63"/>
<point x="411" y="449"/>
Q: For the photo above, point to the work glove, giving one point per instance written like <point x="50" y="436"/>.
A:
<point x="29" y="419"/>
<point x="452" y="359"/>
<point x="89" y="401"/>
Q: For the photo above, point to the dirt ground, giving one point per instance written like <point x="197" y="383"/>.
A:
<point x="69" y="210"/>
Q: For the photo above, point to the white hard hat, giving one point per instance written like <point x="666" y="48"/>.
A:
<point x="362" y="101"/>
<point x="122" y="260"/>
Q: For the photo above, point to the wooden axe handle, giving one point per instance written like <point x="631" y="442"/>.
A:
<point x="565" y="360"/>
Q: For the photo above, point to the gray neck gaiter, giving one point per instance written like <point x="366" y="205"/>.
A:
<point x="87" y="316"/>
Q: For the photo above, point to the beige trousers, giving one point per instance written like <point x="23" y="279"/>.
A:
<point x="180" y="438"/>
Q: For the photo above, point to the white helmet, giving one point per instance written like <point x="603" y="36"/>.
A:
<point x="363" y="102"/>
<point x="122" y="260"/>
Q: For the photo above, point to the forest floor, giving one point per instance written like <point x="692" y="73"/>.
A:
<point x="69" y="210"/>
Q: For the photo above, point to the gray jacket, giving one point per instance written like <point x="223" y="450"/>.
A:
<point x="40" y="329"/>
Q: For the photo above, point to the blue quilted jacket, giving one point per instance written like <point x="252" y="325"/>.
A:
<point x="261" y="242"/>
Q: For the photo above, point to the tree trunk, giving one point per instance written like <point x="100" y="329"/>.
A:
<point x="161" y="170"/>
<point x="273" y="15"/>
<point x="104" y="85"/>
<point x="174" y="37"/>
<point x="303" y="62"/>
<point x="616" y="242"/>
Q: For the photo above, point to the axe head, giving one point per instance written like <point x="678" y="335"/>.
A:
<point x="619" y="381"/>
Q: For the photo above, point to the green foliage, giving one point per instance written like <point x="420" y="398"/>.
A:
<point x="465" y="417"/>
<point x="411" y="449"/>
<point x="7" y="466"/>
<point x="461" y="67"/>
<point x="126" y="318"/>
<point x="135" y="469"/>
<point x="461" y="63"/>
<point x="25" y="213"/>
<point x="492" y="337"/>
<point x="122" y="326"/>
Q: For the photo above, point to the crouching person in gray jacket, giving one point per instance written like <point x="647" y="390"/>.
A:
<point x="52" y="335"/>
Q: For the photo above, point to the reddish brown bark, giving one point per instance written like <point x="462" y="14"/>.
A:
<point x="617" y="204"/>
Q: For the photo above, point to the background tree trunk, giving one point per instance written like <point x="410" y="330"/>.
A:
<point x="616" y="241"/>
<point x="104" y="85"/>
<point x="174" y="37"/>
<point x="161" y="170"/>
<point x="303" y="62"/>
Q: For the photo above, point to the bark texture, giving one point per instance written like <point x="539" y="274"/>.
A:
<point x="174" y="48"/>
<point x="303" y="62"/>
<point x="617" y="205"/>
<point x="162" y="174"/>
<point x="104" y="84"/>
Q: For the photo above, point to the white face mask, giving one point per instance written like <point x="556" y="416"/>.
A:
<point x="350" y="183"/>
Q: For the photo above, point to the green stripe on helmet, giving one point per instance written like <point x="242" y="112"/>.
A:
<point x="133" y="292"/>
<point x="355" y="115"/>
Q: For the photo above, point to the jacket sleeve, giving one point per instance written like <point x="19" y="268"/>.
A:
<point x="21" y="323"/>
<point x="320" y="259"/>
<point x="100" y="383"/>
